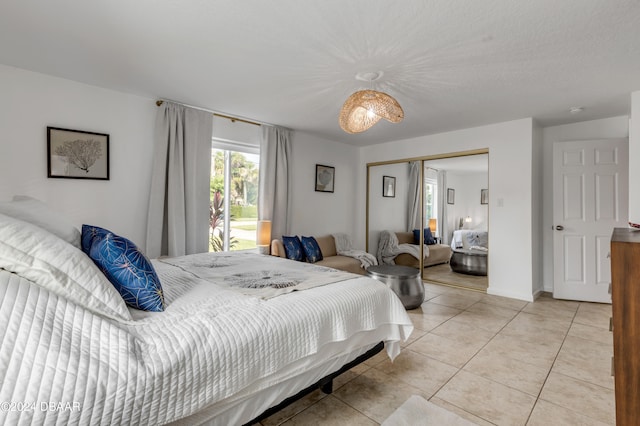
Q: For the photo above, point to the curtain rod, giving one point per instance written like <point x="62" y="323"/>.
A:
<point x="217" y="114"/>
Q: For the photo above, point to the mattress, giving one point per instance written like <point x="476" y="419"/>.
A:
<point x="212" y="351"/>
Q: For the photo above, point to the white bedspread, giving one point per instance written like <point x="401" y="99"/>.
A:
<point x="208" y="345"/>
<point x="256" y="275"/>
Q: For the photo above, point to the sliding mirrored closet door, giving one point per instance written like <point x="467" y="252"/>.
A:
<point x="433" y="199"/>
<point x="457" y="214"/>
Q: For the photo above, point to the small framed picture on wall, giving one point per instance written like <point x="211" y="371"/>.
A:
<point x="325" y="178"/>
<point x="77" y="154"/>
<point x="451" y="196"/>
<point x="484" y="196"/>
<point x="388" y="186"/>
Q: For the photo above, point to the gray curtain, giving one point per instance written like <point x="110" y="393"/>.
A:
<point x="443" y="228"/>
<point x="413" y="197"/>
<point x="275" y="179"/>
<point x="178" y="217"/>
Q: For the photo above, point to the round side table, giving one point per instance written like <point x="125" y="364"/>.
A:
<point x="470" y="262"/>
<point x="403" y="280"/>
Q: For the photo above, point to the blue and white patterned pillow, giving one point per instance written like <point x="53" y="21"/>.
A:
<point x="128" y="269"/>
<point x="89" y="235"/>
<point x="311" y="249"/>
<point x="293" y="248"/>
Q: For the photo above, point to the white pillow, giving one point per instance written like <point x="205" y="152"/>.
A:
<point x="39" y="256"/>
<point x="38" y="213"/>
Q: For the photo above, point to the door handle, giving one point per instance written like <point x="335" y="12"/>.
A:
<point x="559" y="228"/>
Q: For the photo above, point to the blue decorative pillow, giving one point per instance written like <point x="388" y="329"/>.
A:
<point x="428" y="237"/>
<point x="89" y="235"/>
<point x="311" y="249"/>
<point x="126" y="267"/>
<point x="293" y="248"/>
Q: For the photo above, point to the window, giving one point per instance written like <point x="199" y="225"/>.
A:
<point x="430" y="195"/>
<point x="234" y="196"/>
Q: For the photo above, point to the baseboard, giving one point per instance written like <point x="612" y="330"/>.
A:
<point x="510" y="295"/>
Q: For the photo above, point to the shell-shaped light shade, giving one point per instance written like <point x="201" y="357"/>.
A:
<point x="365" y="108"/>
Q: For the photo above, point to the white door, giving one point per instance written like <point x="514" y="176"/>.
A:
<point x="590" y="198"/>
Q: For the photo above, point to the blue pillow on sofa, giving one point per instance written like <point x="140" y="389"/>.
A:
<point x="293" y="248"/>
<point x="126" y="267"/>
<point x="311" y="249"/>
<point x="428" y="237"/>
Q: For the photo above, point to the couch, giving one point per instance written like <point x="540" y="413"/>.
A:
<point x="330" y="256"/>
<point x="438" y="253"/>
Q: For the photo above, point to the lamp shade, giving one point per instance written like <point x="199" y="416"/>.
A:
<point x="263" y="234"/>
<point x="433" y="224"/>
<point x="365" y="108"/>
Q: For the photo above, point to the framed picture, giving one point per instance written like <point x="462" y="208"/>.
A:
<point x="325" y="178"/>
<point x="484" y="196"/>
<point x="388" y="186"/>
<point x="76" y="154"/>
<point x="451" y="196"/>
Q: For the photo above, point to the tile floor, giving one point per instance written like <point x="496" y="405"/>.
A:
<point x="491" y="360"/>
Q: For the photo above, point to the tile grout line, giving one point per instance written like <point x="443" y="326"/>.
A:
<point x="474" y="355"/>
<point x="552" y="364"/>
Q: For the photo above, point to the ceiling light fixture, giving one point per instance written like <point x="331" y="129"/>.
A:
<point x="576" y="109"/>
<point x="365" y="108"/>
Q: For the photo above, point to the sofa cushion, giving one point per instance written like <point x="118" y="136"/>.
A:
<point x="293" y="248"/>
<point x="343" y="263"/>
<point x="311" y="249"/>
<point x="405" y="237"/>
<point x="327" y="245"/>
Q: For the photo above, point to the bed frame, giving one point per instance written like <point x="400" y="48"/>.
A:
<point x="325" y="384"/>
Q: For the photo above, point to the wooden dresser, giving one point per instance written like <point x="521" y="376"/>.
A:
<point x="625" y="297"/>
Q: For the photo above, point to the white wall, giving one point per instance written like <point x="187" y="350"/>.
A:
<point x="467" y="201"/>
<point x="607" y="128"/>
<point x="31" y="102"/>
<point x="323" y="213"/>
<point x="510" y="194"/>
<point x="634" y="158"/>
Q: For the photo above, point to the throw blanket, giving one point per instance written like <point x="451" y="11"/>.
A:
<point x="256" y="275"/>
<point x="388" y="248"/>
<point x="344" y="248"/>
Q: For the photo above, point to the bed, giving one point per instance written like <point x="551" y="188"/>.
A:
<point x="73" y="353"/>
<point x="469" y="239"/>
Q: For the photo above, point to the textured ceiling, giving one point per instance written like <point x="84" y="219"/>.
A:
<point x="450" y="63"/>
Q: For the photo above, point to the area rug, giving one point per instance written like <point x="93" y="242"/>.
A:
<point x="418" y="411"/>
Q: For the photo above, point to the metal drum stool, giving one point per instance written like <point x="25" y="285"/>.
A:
<point x="403" y="280"/>
<point x="470" y="262"/>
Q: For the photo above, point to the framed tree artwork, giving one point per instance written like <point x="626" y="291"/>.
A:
<point x="77" y="154"/>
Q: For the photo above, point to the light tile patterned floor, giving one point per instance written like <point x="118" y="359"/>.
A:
<point x="492" y="360"/>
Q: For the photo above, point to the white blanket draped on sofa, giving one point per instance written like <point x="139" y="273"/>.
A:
<point x="388" y="248"/>
<point x="344" y="247"/>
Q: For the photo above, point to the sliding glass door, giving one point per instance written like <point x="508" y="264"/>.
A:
<point x="234" y="198"/>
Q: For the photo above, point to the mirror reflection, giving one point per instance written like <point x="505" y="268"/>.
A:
<point x="457" y="216"/>
<point x="446" y="198"/>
